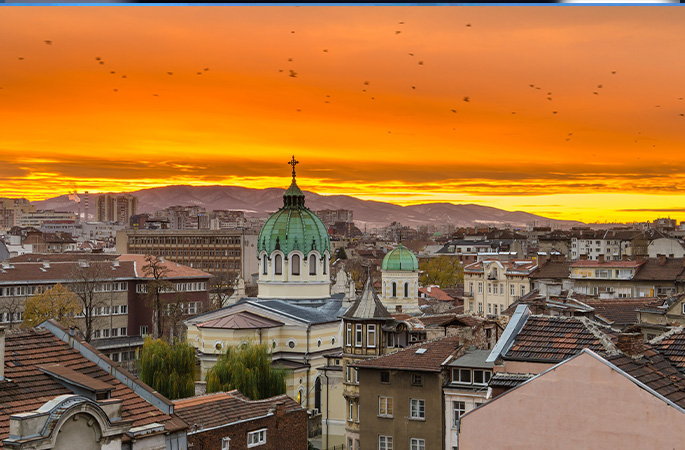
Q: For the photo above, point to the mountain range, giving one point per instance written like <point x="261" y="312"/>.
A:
<point x="262" y="202"/>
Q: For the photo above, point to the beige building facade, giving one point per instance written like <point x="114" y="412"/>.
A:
<point x="491" y="285"/>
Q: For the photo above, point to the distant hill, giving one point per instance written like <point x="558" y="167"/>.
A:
<point x="261" y="202"/>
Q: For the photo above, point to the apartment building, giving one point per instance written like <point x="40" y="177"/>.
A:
<point x="491" y="285"/>
<point x="228" y="253"/>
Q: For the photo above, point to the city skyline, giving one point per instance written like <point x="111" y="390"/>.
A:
<point x="570" y="112"/>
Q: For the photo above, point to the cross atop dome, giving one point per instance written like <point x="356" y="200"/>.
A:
<point x="293" y="163"/>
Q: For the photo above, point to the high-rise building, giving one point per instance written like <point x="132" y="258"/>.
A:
<point x="12" y="210"/>
<point x="115" y="207"/>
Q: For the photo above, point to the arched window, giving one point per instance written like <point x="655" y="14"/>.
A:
<point x="295" y="261"/>
<point x="264" y="269"/>
<point x="278" y="265"/>
<point x="406" y="290"/>
<point x="394" y="289"/>
<point x="325" y="262"/>
<point x="312" y="265"/>
<point x="317" y="393"/>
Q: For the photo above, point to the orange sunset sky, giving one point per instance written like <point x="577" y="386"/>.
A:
<point x="567" y="111"/>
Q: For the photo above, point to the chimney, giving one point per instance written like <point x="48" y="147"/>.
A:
<point x="542" y="258"/>
<point x="624" y="257"/>
<point x="465" y="336"/>
<point x="662" y="259"/>
<point x="583" y="257"/>
<point x="631" y="344"/>
<point x="2" y="353"/>
<point x="600" y="258"/>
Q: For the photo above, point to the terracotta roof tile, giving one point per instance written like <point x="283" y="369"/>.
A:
<point x="622" y="311"/>
<point x="672" y="346"/>
<point x="426" y="356"/>
<point x="222" y="408"/>
<point x="554" y="339"/>
<point x="30" y="388"/>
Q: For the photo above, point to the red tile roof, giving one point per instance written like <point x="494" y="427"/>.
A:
<point x="554" y="339"/>
<point x="621" y="311"/>
<point x="672" y="346"/>
<point x="223" y="408"/>
<point x="175" y="270"/>
<point x="30" y="388"/>
<point x="602" y="264"/>
<point x="424" y="357"/>
<point x="436" y="293"/>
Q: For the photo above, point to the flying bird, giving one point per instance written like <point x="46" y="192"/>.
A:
<point x="599" y="86"/>
<point x="613" y="72"/>
<point x="596" y="93"/>
<point x="401" y="23"/>
<point x="554" y="112"/>
<point x="123" y="76"/>
<point x="200" y="73"/>
<point x="466" y="99"/>
<point x="290" y="60"/>
<point x="468" y="24"/>
<point x="206" y="69"/>
<point x="411" y="54"/>
<point x="155" y="95"/>
<point x="454" y="111"/>
<point x="325" y="50"/>
<point x="293" y="73"/>
<point x="397" y="32"/>
<point x="170" y="73"/>
<point x="366" y="83"/>
<point x="102" y="62"/>
<point x="111" y="72"/>
<point x="420" y="63"/>
<point x="48" y="42"/>
<point x="21" y="58"/>
<point x="116" y="90"/>
<point x="97" y="58"/>
<point x="413" y="87"/>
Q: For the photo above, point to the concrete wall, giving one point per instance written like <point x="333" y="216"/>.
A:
<point x="583" y="403"/>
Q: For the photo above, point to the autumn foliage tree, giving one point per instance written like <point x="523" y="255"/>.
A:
<point x="247" y="368"/>
<point x="168" y="369"/>
<point x="57" y="303"/>
<point x="443" y="271"/>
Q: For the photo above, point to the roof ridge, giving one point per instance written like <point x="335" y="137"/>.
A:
<point x="603" y="338"/>
<point x="668" y="334"/>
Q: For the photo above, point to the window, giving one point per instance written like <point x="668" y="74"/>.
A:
<point x="371" y="335"/>
<point x="264" y="271"/>
<point x="417" y="409"/>
<point x="489" y="288"/>
<point x="114" y="357"/>
<point x="501" y="289"/>
<point x="124" y="309"/>
<point x="349" y="444"/>
<point x="495" y="308"/>
<point x="385" y="406"/>
<point x="278" y="265"/>
<point x="394" y="289"/>
<point x="490" y="308"/>
<point x="480" y="307"/>
<point x="312" y="265"/>
<point x="350" y="409"/>
<point x="358" y="335"/>
<point x="416" y="379"/>
<point x="406" y="290"/>
<point x="384" y="442"/>
<point x="523" y="290"/>
<point x="385" y="376"/>
<point x="295" y="261"/>
<point x="512" y="290"/>
<point x="481" y="376"/>
<point x="480" y="287"/>
<point x="123" y="331"/>
<point x="459" y="408"/>
<point x="143" y="330"/>
<point x="417" y="444"/>
<point x="349" y="335"/>
<point x="225" y="443"/>
<point x="461" y="376"/>
<point x="256" y="438"/>
<point x="494" y="288"/>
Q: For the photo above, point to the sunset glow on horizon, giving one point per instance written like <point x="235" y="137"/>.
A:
<point x="570" y="112"/>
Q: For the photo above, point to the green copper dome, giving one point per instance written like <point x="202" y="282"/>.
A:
<point x="293" y="227"/>
<point x="400" y="258"/>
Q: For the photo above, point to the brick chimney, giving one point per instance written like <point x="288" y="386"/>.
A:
<point x="542" y="258"/>
<point x="583" y="257"/>
<point x="2" y="353"/>
<point x="600" y="258"/>
<point x="662" y="259"/>
<point x="631" y="344"/>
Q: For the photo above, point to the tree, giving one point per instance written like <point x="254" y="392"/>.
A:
<point x="247" y="368"/>
<point x="87" y="279"/>
<point x="220" y="289"/>
<point x="168" y="369"/>
<point x="57" y="303"/>
<point x="443" y="271"/>
<point x="12" y="306"/>
<point x="155" y="269"/>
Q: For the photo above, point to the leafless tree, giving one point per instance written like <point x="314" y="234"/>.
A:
<point x="157" y="285"/>
<point x="88" y="280"/>
<point x="220" y="289"/>
<point x="12" y="306"/>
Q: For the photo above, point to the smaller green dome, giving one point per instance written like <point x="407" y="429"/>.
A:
<point x="400" y="258"/>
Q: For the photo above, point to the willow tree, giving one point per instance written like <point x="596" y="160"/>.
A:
<point x="168" y="369"/>
<point x="247" y="368"/>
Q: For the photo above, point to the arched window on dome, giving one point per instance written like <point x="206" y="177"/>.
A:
<point x="278" y="265"/>
<point x="264" y="270"/>
<point x="406" y="290"/>
<point x="394" y="289"/>
<point x="295" y="261"/>
<point x="325" y="262"/>
<point x="312" y="265"/>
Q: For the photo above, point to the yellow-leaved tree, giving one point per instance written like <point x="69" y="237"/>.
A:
<point x="57" y="303"/>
